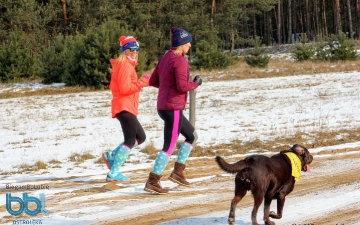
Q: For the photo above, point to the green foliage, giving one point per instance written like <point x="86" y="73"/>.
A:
<point x="322" y="52"/>
<point x="16" y="60"/>
<point x="142" y="59"/>
<point x="89" y="64"/>
<point x="302" y="50"/>
<point x="336" y="48"/>
<point x="255" y="56"/>
<point x="208" y="57"/>
<point x="342" y="48"/>
<point x="73" y="44"/>
<point x="53" y="60"/>
<point x="84" y="59"/>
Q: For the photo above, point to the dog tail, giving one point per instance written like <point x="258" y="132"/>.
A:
<point x="230" y="168"/>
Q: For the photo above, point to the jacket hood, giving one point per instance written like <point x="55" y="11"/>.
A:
<point x="114" y="62"/>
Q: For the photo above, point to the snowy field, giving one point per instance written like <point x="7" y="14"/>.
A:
<point x="45" y="128"/>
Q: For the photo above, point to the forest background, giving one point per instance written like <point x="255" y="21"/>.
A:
<point x="71" y="41"/>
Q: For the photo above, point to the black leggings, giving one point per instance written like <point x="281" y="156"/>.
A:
<point x="131" y="128"/>
<point x="175" y="123"/>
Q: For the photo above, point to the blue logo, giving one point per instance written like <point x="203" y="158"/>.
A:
<point x="39" y="202"/>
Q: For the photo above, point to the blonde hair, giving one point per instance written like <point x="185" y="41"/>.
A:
<point x="121" y="58"/>
<point x="179" y="50"/>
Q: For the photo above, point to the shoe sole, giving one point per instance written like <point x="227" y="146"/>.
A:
<point x="155" y="192"/>
<point x="106" y="161"/>
<point x="118" y="181"/>
<point x="178" y="182"/>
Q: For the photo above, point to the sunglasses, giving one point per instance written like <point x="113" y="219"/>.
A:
<point x="134" y="49"/>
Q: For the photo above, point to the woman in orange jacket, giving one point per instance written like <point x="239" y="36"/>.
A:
<point x="125" y="88"/>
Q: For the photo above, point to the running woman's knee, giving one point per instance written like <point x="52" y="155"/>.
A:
<point x="192" y="138"/>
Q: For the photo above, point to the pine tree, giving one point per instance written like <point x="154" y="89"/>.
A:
<point x="342" y="48"/>
<point x="302" y="50"/>
<point x="256" y="56"/>
<point x="16" y="60"/>
<point x="89" y="59"/>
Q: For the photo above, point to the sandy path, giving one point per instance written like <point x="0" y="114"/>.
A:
<point x="87" y="199"/>
<point x="217" y="197"/>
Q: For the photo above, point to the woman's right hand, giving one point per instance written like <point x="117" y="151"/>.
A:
<point x="198" y="80"/>
<point x="144" y="80"/>
<point x="147" y="76"/>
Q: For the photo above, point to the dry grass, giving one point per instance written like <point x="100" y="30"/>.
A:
<point x="100" y="160"/>
<point x="319" y="139"/>
<point x="39" y="165"/>
<point x="277" y="67"/>
<point x="151" y="150"/>
<point x="28" y="92"/>
<point x="54" y="161"/>
<point x="77" y="158"/>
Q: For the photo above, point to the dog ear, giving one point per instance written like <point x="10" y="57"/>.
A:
<point x="299" y="149"/>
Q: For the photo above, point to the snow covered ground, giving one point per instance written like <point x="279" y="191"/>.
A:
<point x="44" y="128"/>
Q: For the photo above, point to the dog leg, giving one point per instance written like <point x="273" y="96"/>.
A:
<point x="258" y="198"/>
<point x="267" y="211"/>
<point x="280" y="207"/>
<point x="234" y="202"/>
<point x="240" y="192"/>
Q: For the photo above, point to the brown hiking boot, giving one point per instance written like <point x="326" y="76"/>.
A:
<point x="152" y="185"/>
<point x="177" y="175"/>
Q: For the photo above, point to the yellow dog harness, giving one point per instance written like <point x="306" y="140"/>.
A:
<point x="295" y="165"/>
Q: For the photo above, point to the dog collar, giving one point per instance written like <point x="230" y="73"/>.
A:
<point x="295" y="165"/>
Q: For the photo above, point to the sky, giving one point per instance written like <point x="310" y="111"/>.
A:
<point x="43" y="128"/>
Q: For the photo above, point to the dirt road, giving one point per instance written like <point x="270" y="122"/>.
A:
<point x="216" y="193"/>
<point x="211" y="191"/>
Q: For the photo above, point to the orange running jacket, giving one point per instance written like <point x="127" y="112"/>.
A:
<point x="125" y="87"/>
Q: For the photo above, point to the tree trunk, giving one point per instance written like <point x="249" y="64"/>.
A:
<point x="232" y="37"/>
<point x="295" y="22"/>
<point x="279" y="22"/>
<point x="316" y="18"/>
<point x="254" y="25"/>
<point x="358" y="17"/>
<point x="271" y="31"/>
<point x="266" y="29"/>
<point x="324" y="18"/>
<point x="63" y="2"/>
<point x="283" y="27"/>
<point x="289" y="23"/>
<point x="212" y="11"/>
<point x="350" y="20"/>
<point x="337" y="23"/>
<point x="307" y="23"/>
<point x="269" y="25"/>
<point x="301" y="21"/>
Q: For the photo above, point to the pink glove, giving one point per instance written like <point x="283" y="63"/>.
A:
<point x="147" y="76"/>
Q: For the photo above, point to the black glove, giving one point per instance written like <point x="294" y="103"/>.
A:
<point x="198" y="79"/>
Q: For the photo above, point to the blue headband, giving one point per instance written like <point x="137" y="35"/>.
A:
<point x="131" y="45"/>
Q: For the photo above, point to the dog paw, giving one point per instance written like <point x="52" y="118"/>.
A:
<point x="269" y="223"/>
<point x="231" y="221"/>
<point x="273" y="214"/>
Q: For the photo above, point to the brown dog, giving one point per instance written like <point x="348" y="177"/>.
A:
<point x="267" y="178"/>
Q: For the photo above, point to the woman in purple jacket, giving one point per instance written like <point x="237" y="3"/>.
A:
<point x="171" y="76"/>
